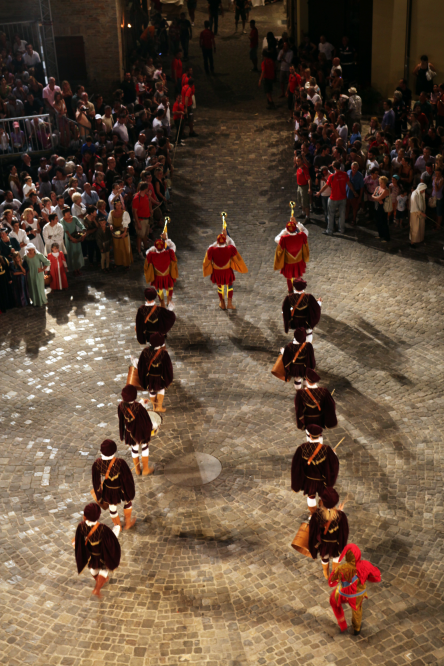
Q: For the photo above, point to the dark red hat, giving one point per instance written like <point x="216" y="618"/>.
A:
<point x="300" y="335"/>
<point x="299" y="284"/>
<point x="221" y="239"/>
<point x="92" y="512"/>
<point x="129" y="393"/>
<point x="150" y="293"/>
<point x="157" y="339"/>
<point x="291" y="226"/>
<point x="159" y="244"/>
<point x="108" y="447"/>
<point x="329" y="498"/>
<point x="314" y="430"/>
<point x="312" y="376"/>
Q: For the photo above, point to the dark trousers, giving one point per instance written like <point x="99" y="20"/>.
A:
<point x="92" y="249"/>
<point x="208" y="58"/>
<point x="185" y="42"/>
<point x="382" y="223"/>
<point x="214" y="20"/>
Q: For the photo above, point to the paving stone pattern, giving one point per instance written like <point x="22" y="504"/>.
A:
<point x="207" y="574"/>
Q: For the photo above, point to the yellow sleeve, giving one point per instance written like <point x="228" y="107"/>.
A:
<point x="173" y="270"/>
<point x="148" y="269"/>
<point x="306" y="253"/>
<point x="207" y="266"/>
<point x="279" y="258"/>
<point x="238" y="264"/>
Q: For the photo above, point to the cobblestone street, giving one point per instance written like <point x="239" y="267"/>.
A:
<point x="208" y="575"/>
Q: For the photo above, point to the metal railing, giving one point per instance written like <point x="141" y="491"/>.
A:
<point x="27" y="133"/>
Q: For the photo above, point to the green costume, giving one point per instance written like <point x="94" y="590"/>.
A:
<point x="74" y="254"/>
<point x="36" y="280"/>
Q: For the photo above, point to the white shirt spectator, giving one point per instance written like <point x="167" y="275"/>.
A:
<point x="21" y="237"/>
<point x="314" y="99"/>
<point x="58" y="211"/>
<point x="122" y="132"/>
<point x="285" y="59"/>
<point x="156" y="124"/>
<point x="140" y="150"/>
<point x="354" y="106"/>
<point x="31" y="59"/>
<point x="327" y="49"/>
<point x="15" y="203"/>
<point x="19" y="47"/>
<point x="111" y="200"/>
<point x="78" y="211"/>
<point x="53" y="234"/>
<point x="343" y="133"/>
<point x="49" y="94"/>
<point x="27" y="189"/>
<point x="371" y="164"/>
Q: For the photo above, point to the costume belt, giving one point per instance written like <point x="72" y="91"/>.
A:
<point x="351" y="596"/>
<point x="222" y="268"/>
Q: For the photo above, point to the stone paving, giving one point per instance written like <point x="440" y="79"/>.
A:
<point x="207" y="574"/>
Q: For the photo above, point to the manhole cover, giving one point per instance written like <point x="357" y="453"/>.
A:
<point x="193" y="469"/>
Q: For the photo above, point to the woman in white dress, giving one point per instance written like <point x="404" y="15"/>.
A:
<point x="28" y="220"/>
<point x="20" y="236"/>
<point x="78" y="209"/>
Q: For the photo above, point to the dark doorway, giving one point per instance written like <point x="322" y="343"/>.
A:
<point x="353" y="18"/>
<point x="71" y="58"/>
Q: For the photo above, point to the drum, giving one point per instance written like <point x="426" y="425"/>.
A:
<point x="300" y="542"/>
<point x="133" y="378"/>
<point x="156" y="419"/>
<point x="278" y="369"/>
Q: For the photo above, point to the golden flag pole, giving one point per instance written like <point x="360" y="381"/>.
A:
<point x="165" y="229"/>
<point x="292" y="207"/>
<point x="338" y="444"/>
<point x="224" y="220"/>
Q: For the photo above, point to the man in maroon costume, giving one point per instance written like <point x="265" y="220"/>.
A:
<point x="96" y="546"/>
<point x="301" y="309"/>
<point x="117" y="485"/>
<point x="221" y="260"/>
<point x="135" y="427"/>
<point x="297" y="356"/>
<point x="152" y="318"/>
<point x="328" y="531"/>
<point x="155" y="370"/>
<point x="314" y="404"/>
<point x="292" y="253"/>
<point x="315" y="465"/>
<point x="350" y="578"/>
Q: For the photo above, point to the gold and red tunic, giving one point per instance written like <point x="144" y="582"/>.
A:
<point x="291" y="255"/>
<point x="221" y="261"/>
<point x="161" y="268"/>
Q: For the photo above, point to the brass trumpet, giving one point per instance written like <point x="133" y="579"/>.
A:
<point x="292" y="207"/>
<point x="224" y="221"/>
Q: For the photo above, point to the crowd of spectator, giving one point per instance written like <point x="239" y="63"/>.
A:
<point x="101" y="199"/>
<point x="393" y="173"/>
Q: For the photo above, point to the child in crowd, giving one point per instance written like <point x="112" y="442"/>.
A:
<point x="58" y="268"/>
<point x="401" y="205"/>
<point x="104" y="240"/>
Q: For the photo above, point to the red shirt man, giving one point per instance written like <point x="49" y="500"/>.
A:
<point x="187" y="93"/>
<point x="267" y="68"/>
<point x="254" y="38"/>
<point x="176" y="68"/>
<point x="303" y="175"/>
<point x="141" y="204"/>
<point x="338" y="182"/>
<point x="178" y="110"/>
<point x="206" y="39"/>
<point x="294" y="82"/>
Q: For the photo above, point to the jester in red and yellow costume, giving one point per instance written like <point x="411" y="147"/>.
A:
<point x="161" y="268"/>
<point x="221" y="260"/>
<point x="350" y="578"/>
<point x="292" y="252"/>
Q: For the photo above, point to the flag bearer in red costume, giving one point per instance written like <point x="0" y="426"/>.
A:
<point x="350" y="578"/>
<point x="297" y="356"/>
<point x="221" y="259"/>
<point x="161" y="268"/>
<point x="152" y="318"/>
<point x="315" y="465"/>
<point x="292" y="253"/>
<point x="328" y="531"/>
<point x="117" y="484"/>
<point x="301" y="309"/>
<point x="135" y="428"/>
<point x="155" y="370"/>
<point x="314" y="404"/>
<point x="96" y="546"/>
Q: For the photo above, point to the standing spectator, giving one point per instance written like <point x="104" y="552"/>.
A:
<point x="327" y="49"/>
<point x="389" y="118"/>
<point x="353" y="202"/>
<point x="119" y="221"/>
<point x="321" y="180"/>
<point x="188" y="92"/>
<point x="53" y="232"/>
<point x="31" y="58"/>
<point x="240" y="13"/>
<point x="207" y="44"/>
<point x="338" y="182"/>
<point x="267" y="75"/>
<point x="73" y="244"/>
<point x="381" y="197"/>
<point x="18" y="271"/>
<point x="176" y="71"/>
<point x="285" y="57"/>
<point x="36" y="281"/>
<point x="417" y="215"/>
<point x="129" y="90"/>
<point x="354" y="106"/>
<point x="254" y="42"/>
<point x="405" y="92"/>
<point x="186" y="33"/>
<point x="178" y="118"/>
<point x="142" y="213"/>
<point x="399" y="109"/>
<point x="191" y="6"/>
<point x="214" y="6"/>
<point x="347" y="56"/>
<point x="424" y="72"/>
<point x="437" y="192"/>
<point x="294" y="81"/>
<point x="91" y="226"/>
<point x="104" y="241"/>
<point x="49" y="93"/>
<point x="303" y="180"/>
<point x="121" y="129"/>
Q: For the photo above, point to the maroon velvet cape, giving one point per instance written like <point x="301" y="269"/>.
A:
<point x="160" y="374"/>
<point x="134" y="423"/>
<point x="101" y="552"/>
<point x="161" y="321"/>
<point x="307" y="315"/>
<point x="306" y="359"/>
<point x="307" y="412"/>
<point x="334" y="541"/>
<point x="119" y="486"/>
<point x="322" y="471"/>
